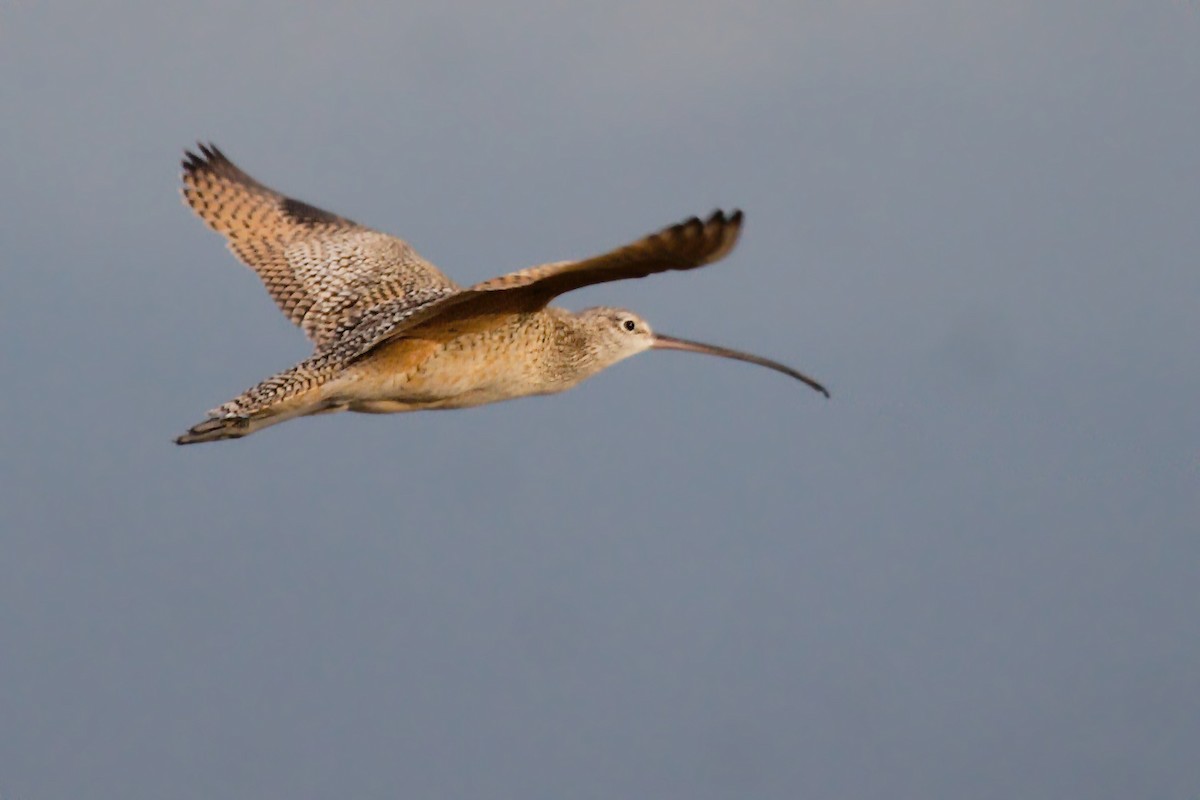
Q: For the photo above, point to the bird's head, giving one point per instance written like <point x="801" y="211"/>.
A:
<point x="617" y="334"/>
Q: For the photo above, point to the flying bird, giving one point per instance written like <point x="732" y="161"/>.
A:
<point x="392" y="333"/>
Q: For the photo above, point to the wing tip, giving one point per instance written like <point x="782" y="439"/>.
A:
<point x="722" y="219"/>
<point x="715" y="236"/>
<point x="206" y="158"/>
<point x="729" y="228"/>
<point x="719" y="218"/>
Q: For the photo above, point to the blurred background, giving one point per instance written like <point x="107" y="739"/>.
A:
<point x="971" y="573"/>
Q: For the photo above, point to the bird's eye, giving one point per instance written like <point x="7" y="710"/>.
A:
<point x="630" y="324"/>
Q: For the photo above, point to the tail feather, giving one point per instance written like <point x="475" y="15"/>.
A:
<point x="214" y="429"/>
<point x="292" y="393"/>
<point x="223" y="425"/>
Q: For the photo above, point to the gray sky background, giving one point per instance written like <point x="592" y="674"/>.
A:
<point x="972" y="573"/>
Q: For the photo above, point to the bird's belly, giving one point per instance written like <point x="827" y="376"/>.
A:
<point x="413" y="375"/>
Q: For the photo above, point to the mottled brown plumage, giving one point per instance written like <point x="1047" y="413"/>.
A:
<point x="323" y="271"/>
<point x="392" y="333"/>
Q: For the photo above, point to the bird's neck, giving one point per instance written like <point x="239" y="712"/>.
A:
<point x="571" y="353"/>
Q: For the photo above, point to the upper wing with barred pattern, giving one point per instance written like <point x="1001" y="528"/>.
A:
<point x="324" y="271"/>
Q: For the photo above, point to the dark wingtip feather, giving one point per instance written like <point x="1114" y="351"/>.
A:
<point x="208" y="159"/>
<point x="719" y="217"/>
<point x="191" y="162"/>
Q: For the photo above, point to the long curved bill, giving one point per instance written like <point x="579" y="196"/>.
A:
<point x="662" y="342"/>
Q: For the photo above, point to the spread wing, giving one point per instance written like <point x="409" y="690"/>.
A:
<point x="322" y="270"/>
<point x="688" y="245"/>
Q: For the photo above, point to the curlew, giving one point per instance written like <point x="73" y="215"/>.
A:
<point x="392" y="333"/>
